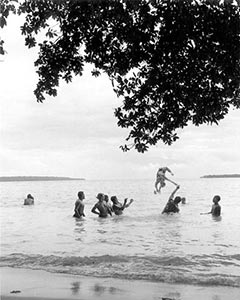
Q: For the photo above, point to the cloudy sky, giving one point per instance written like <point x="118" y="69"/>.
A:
<point x="75" y="134"/>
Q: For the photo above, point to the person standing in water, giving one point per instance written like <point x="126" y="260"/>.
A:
<point x="106" y="201"/>
<point x="79" y="206"/>
<point x="118" y="207"/>
<point x="216" y="208"/>
<point x="172" y="204"/>
<point x="160" y="179"/>
<point x="100" y="208"/>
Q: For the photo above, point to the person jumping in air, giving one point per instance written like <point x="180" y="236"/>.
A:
<point x="161" y="177"/>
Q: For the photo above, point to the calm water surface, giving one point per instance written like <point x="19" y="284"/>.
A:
<point x="141" y="244"/>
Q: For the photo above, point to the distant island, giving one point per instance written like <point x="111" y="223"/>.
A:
<point x="222" y="176"/>
<point x="36" y="178"/>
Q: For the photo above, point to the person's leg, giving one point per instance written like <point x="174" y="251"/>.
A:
<point x="156" y="186"/>
<point x="161" y="183"/>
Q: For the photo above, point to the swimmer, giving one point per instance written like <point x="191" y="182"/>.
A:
<point x="118" y="207"/>
<point x="101" y="206"/>
<point x="29" y="200"/>
<point x="216" y="208"/>
<point x="172" y="204"/>
<point x="79" y="206"/>
<point x="160" y="179"/>
<point x="106" y="200"/>
<point x="183" y="200"/>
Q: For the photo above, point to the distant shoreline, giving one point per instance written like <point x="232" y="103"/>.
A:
<point x="36" y="178"/>
<point x="222" y="176"/>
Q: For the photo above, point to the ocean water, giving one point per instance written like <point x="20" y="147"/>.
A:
<point x="141" y="244"/>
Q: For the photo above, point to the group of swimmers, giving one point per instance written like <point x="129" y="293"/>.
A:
<point x="172" y="204"/>
<point x="103" y="208"/>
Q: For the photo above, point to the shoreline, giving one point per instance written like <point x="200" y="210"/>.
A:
<point x="38" y="284"/>
<point x="37" y="179"/>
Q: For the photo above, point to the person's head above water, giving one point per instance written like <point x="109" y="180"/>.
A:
<point x="105" y="198"/>
<point x="177" y="200"/>
<point x="183" y="199"/>
<point x="81" y="195"/>
<point x="114" y="199"/>
<point x="216" y="199"/>
<point x="100" y="196"/>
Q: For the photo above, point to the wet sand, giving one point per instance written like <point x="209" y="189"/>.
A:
<point x="33" y="284"/>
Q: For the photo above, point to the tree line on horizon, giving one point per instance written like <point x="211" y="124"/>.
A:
<point x="36" y="178"/>
<point x="222" y="176"/>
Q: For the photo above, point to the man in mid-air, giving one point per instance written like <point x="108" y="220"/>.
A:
<point x="161" y="177"/>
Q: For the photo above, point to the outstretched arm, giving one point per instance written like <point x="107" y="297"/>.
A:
<point x="174" y="192"/>
<point x="208" y="213"/>
<point x="167" y="169"/>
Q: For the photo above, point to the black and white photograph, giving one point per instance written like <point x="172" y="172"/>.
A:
<point x="120" y="149"/>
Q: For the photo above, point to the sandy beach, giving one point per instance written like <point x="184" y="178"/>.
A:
<point x="34" y="284"/>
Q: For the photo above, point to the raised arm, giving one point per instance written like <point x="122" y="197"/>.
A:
<point x="128" y="204"/>
<point x="124" y="204"/>
<point x="174" y="192"/>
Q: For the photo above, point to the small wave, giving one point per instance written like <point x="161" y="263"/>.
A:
<point x="183" y="270"/>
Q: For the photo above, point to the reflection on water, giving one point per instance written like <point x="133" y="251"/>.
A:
<point x="113" y="290"/>
<point x="79" y="225"/>
<point x="79" y="229"/>
<point x="216" y="297"/>
<point x="75" y="287"/>
<point x="100" y="290"/>
<point x="101" y="231"/>
<point x="172" y="296"/>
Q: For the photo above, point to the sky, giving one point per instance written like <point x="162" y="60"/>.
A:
<point x="75" y="134"/>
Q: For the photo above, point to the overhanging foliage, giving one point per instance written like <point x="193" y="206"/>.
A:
<point x="171" y="62"/>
